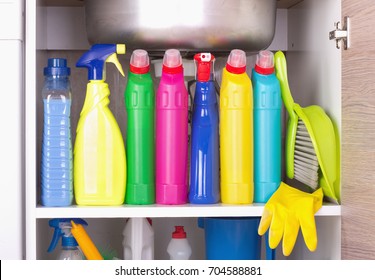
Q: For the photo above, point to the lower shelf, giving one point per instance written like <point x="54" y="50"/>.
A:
<point x="155" y="210"/>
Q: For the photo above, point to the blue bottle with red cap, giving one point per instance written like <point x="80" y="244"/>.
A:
<point x="267" y="128"/>
<point x="204" y="168"/>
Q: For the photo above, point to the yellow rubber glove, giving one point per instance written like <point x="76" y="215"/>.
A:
<point x="284" y="213"/>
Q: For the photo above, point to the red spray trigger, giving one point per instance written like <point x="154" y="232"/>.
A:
<point x="204" y="66"/>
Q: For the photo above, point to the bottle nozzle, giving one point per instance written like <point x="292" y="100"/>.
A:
<point x="62" y="229"/>
<point x="95" y="58"/>
<point x="120" y="49"/>
<point x="205" y="62"/>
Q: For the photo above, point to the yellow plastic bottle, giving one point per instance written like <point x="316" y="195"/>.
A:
<point x="236" y="132"/>
<point x="99" y="151"/>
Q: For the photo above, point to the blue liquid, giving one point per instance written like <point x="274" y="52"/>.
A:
<point x="57" y="166"/>
<point x="204" y="169"/>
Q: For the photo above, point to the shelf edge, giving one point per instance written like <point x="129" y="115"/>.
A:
<point x="164" y="211"/>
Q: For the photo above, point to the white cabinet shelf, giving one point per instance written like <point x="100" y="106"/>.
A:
<point x="161" y="211"/>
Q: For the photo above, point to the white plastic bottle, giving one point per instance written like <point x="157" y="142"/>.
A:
<point x="138" y="242"/>
<point x="179" y="247"/>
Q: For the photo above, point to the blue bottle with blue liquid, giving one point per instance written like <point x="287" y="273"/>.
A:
<point x="204" y="168"/>
<point x="267" y="127"/>
<point x="56" y="161"/>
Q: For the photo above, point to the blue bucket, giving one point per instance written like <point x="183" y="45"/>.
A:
<point x="232" y="238"/>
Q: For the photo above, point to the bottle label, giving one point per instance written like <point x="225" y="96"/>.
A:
<point x="56" y="167"/>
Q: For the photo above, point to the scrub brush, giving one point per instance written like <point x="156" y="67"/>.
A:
<point x="311" y="156"/>
<point x="305" y="162"/>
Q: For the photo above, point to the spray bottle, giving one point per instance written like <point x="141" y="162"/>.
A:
<point x="139" y="101"/>
<point x="267" y="128"/>
<point x="70" y="250"/>
<point x="236" y="131"/>
<point x="57" y="159"/>
<point x="204" y="169"/>
<point x="171" y="132"/>
<point x="99" y="151"/>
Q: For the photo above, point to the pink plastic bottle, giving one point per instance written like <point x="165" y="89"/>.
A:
<point x="171" y="132"/>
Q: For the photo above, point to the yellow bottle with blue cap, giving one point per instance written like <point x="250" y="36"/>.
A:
<point x="99" y="151"/>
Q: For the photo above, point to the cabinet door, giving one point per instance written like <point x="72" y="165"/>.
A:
<point x="11" y="125"/>
<point x="358" y="132"/>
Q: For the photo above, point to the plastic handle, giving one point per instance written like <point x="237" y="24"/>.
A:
<point x="113" y="59"/>
<point x="55" y="239"/>
<point x="281" y="74"/>
<point x="84" y="241"/>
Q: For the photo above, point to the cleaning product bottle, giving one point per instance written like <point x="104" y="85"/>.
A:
<point x="236" y="131"/>
<point x="70" y="250"/>
<point x="267" y="128"/>
<point x="139" y="101"/>
<point x="84" y="241"/>
<point x="99" y="151"/>
<point x="204" y="169"/>
<point x="138" y="242"/>
<point x="57" y="160"/>
<point x="179" y="247"/>
<point x="171" y="132"/>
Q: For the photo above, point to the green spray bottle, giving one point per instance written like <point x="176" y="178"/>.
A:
<point x="139" y="102"/>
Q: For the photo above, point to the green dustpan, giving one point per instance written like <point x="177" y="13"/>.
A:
<point x="320" y="129"/>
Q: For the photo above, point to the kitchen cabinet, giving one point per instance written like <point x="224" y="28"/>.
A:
<point x="56" y="28"/>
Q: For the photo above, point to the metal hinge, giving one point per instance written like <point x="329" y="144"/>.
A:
<point x="341" y="35"/>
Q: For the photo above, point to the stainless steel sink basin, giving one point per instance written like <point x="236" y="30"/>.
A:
<point x="190" y="25"/>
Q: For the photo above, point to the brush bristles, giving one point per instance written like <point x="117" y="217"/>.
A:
<point x="306" y="165"/>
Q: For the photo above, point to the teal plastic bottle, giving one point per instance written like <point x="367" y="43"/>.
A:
<point x="139" y="102"/>
<point x="267" y="128"/>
